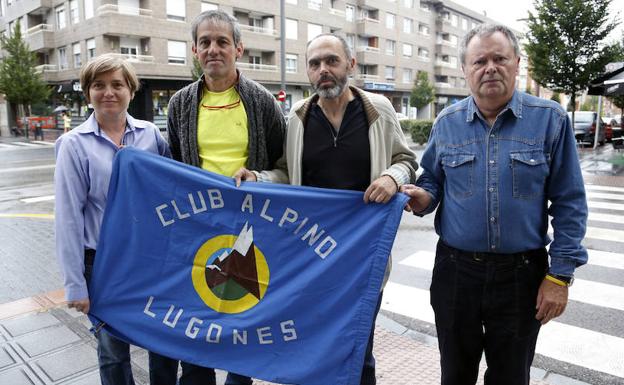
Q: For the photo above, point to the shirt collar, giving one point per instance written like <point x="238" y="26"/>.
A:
<point x="91" y="126"/>
<point x="515" y="105"/>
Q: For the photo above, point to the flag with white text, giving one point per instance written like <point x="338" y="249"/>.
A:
<point x="271" y="281"/>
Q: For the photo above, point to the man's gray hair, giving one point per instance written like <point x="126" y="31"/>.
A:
<point x="487" y="30"/>
<point x="345" y="46"/>
<point x="216" y="16"/>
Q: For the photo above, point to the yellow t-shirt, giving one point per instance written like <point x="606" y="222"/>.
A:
<point x="222" y="134"/>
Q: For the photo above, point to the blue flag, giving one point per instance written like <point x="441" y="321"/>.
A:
<point x="271" y="281"/>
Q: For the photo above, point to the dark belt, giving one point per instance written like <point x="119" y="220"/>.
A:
<point x="496" y="257"/>
<point x="89" y="256"/>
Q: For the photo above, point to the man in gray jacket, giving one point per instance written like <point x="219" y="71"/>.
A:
<point x="342" y="138"/>
<point x="221" y="122"/>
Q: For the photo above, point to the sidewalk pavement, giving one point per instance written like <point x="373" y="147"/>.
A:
<point x="43" y="342"/>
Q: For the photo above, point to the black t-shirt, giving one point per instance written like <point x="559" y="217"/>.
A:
<point x="337" y="160"/>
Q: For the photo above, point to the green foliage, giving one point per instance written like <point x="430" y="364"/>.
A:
<point x="196" y="71"/>
<point x="566" y="43"/>
<point x="419" y="129"/>
<point x="423" y="92"/>
<point x="556" y="97"/>
<point x="19" y="80"/>
<point x="590" y="103"/>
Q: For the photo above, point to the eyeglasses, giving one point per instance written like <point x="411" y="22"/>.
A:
<point x="224" y="107"/>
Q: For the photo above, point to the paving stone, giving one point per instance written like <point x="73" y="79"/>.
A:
<point x="92" y="378"/>
<point x="29" y="323"/>
<point x="18" y="376"/>
<point x="68" y="362"/>
<point x="46" y="340"/>
<point x="6" y="359"/>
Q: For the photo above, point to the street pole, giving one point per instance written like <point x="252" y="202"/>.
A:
<point x="283" y="52"/>
<point x="598" y="121"/>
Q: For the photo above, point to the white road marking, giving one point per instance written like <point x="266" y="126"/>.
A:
<point x="25" y="144"/>
<point x="592" y="187"/>
<point x="606" y="217"/>
<point x="578" y="346"/>
<point x="606" y="205"/>
<point x="43" y="143"/>
<point x="38" y="199"/>
<point x="602" y="195"/>
<point x="606" y="259"/>
<point x="29" y="168"/>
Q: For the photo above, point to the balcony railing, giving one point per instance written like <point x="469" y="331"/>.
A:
<point x="337" y="12"/>
<point x="446" y="43"/>
<point x="259" y="30"/>
<point x="368" y="77"/>
<point x="367" y="49"/>
<point x="258" y="67"/>
<point x="46" y="68"/>
<point x="135" y="58"/>
<point x="441" y="63"/>
<point x="367" y="19"/>
<point x="442" y="85"/>
<point x="39" y="28"/>
<point x="120" y="9"/>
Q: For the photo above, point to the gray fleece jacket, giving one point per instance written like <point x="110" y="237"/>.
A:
<point x="265" y="122"/>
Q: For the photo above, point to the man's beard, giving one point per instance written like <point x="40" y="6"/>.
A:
<point x="331" y="92"/>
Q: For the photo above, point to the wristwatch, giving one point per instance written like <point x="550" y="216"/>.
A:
<point x="561" y="280"/>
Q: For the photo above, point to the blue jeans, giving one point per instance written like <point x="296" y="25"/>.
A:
<point x="486" y="303"/>
<point x="114" y="360"/>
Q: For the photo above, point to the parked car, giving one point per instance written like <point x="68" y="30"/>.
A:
<point x="617" y="126"/>
<point x="585" y="127"/>
<point x="608" y="125"/>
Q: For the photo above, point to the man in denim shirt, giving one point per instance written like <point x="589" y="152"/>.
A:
<point x="493" y="163"/>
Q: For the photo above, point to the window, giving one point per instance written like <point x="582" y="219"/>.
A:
<point x="315" y="4"/>
<point x="60" y="17"/>
<point x="423" y="53"/>
<point x="74" y="17"/>
<point x="424" y="7"/>
<point x="454" y="20"/>
<point x="88" y="9"/>
<point x="390" y="47"/>
<point x="423" y="29"/>
<point x="129" y="47"/>
<point x="314" y="30"/>
<point x="349" y="12"/>
<point x="90" y="49"/>
<point x="255" y="60"/>
<point x="291" y="29"/>
<point x="407" y="50"/>
<point x="291" y="63"/>
<point x="390" y="20"/>
<point x="176" y="51"/>
<point x="408" y="3"/>
<point x="176" y="10"/>
<point x="62" y="58"/>
<point x="77" y="57"/>
<point x="351" y="41"/>
<point x="408" y="25"/>
<point x="206" y="6"/>
<point x="464" y="23"/>
<point x="407" y="76"/>
<point x="389" y="72"/>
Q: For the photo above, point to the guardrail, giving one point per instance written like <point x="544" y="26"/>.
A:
<point x="114" y="8"/>
<point x="259" y="30"/>
<point x="258" y="67"/>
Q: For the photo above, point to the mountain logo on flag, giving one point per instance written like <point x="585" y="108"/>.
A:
<point x="230" y="273"/>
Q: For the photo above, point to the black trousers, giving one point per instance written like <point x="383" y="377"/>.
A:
<point x="485" y="302"/>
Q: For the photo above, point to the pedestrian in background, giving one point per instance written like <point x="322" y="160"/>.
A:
<point x="84" y="159"/>
<point x="342" y="138"/>
<point x="220" y="123"/>
<point x="497" y="164"/>
<point x="66" y="122"/>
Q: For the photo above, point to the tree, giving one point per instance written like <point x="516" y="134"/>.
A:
<point x="197" y="71"/>
<point x="556" y="98"/>
<point x="423" y="92"/>
<point x="565" y="43"/>
<point x="19" y="80"/>
<point x="619" y="103"/>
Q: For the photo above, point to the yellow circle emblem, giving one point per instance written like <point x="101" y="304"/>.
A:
<point x="230" y="273"/>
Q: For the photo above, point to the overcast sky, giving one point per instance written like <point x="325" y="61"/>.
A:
<point x="508" y="12"/>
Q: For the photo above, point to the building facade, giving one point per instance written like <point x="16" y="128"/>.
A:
<point x="392" y="40"/>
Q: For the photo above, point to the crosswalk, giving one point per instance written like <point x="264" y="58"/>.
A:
<point x="578" y="343"/>
<point x="15" y="145"/>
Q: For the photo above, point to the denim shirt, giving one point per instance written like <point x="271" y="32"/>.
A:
<point x="84" y="161"/>
<point x="496" y="186"/>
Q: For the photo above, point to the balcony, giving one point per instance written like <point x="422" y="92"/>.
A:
<point x="315" y="5"/>
<point x="23" y="7"/>
<point x="123" y="10"/>
<point x="444" y="64"/>
<point x="40" y="37"/>
<point x="259" y="30"/>
<point x="337" y="12"/>
<point x="257" y="67"/>
<point x="43" y="68"/>
<point x="135" y="58"/>
<point x="442" y="85"/>
<point x="367" y="77"/>
<point x="368" y="27"/>
<point x="367" y="49"/>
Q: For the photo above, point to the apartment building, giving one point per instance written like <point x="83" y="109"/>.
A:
<point x="392" y="41"/>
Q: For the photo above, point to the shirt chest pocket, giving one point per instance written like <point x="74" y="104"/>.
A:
<point x="459" y="172"/>
<point x="529" y="172"/>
